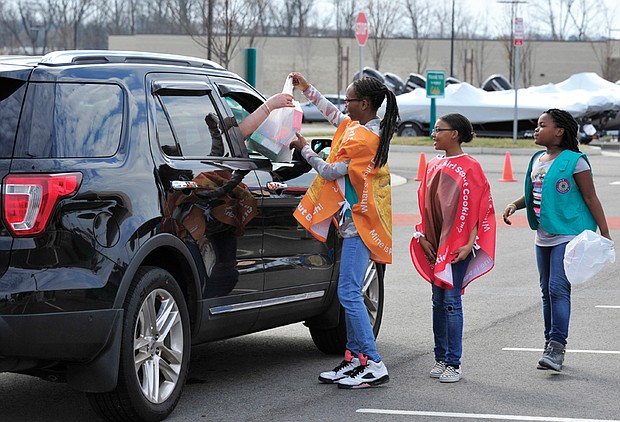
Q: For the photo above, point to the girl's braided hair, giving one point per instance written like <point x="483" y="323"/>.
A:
<point x="376" y="92"/>
<point x="564" y="120"/>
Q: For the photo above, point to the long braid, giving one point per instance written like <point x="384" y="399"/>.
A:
<point x="563" y="119"/>
<point x="376" y="92"/>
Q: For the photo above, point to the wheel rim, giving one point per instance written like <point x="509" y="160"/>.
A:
<point x="158" y="346"/>
<point x="371" y="292"/>
<point x="409" y="132"/>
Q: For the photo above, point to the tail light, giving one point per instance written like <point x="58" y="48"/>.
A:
<point x="29" y="199"/>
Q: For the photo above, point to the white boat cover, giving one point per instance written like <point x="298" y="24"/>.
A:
<point x="582" y="94"/>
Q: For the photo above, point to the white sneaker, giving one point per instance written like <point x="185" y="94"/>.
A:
<point x="438" y="369"/>
<point x="342" y="370"/>
<point x="368" y="374"/>
<point x="450" y="374"/>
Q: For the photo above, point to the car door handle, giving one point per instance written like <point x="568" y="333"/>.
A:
<point x="276" y="187"/>
<point x="183" y="184"/>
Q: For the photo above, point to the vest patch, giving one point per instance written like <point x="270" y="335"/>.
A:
<point x="562" y="186"/>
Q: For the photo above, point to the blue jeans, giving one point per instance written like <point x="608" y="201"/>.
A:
<point x="556" y="290"/>
<point x="354" y="262"/>
<point x="448" y="317"/>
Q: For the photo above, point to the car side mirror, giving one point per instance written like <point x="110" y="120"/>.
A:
<point x="321" y="146"/>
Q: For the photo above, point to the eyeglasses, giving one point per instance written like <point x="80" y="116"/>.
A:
<point x="351" y="100"/>
<point x="441" y="129"/>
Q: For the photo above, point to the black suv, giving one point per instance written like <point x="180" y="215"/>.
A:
<point x="136" y="224"/>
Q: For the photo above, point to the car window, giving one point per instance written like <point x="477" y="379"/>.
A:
<point x="182" y="127"/>
<point x="11" y="97"/>
<point x="70" y="120"/>
<point x="239" y="112"/>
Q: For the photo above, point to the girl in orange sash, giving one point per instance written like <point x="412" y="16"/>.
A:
<point x="352" y="189"/>
<point x="455" y="241"/>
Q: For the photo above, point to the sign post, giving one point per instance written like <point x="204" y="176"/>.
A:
<point x="518" y="42"/>
<point x="435" y="88"/>
<point x="361" y="34"/>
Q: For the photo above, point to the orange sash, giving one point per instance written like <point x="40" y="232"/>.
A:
<point x="372" y="214"/>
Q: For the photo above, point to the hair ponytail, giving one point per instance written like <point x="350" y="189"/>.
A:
<point x="376" y="92"/>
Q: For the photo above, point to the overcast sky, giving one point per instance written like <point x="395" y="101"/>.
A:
<point x="495" y="12"/>
<point x="494" y="7"/>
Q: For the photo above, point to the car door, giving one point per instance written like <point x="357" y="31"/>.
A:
<point x="298" y="267"/>
<point x="208" y="203"/>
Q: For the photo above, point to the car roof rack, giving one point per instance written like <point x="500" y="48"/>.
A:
<point x="59" y="58"/>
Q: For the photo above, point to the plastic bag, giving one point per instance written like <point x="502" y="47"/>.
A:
<point x="274" y="135"/>
<point x="586" y="255"/>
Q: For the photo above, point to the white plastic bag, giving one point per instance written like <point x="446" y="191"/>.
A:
<point x="274" y="135"/>
<point x="586" y="255"/>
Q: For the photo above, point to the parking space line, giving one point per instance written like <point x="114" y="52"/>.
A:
<point x="526" y="349"/>
<point x="479" y="416"/>
<point x="607" y="306"/>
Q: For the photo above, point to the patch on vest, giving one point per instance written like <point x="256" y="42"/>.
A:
<point x="562" y="186"/>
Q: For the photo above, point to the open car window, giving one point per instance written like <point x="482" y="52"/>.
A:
<point x="188" y="123"/>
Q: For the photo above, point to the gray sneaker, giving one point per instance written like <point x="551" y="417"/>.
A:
<point x="450" y="374"/>
<point x="438" y="369"/>
<point x="555" y="358"/>
<point x="546" y="351"/>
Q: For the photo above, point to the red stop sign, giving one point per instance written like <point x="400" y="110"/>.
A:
<point x="361" y="29"/>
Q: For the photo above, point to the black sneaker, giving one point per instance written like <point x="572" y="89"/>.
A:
<point x="555" y="358"/>
<point x="546" y="351"/>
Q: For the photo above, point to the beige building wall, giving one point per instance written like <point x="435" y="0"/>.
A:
<point x="317" y="58"/>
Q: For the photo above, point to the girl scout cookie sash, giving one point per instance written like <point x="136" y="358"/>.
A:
<point x="372" y="214"/>
<point x="454" y="196"/>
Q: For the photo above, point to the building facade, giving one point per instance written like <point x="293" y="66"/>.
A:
<point x="471" y="61"/>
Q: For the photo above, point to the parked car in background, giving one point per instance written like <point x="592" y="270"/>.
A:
<point x="312" y="114"/>
<point x="136" y="224"/>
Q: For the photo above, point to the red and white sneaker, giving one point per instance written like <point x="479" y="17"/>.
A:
<point x="343" y="370"/>
<point x="368" y="374"/>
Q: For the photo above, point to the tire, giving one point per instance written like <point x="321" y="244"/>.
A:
<point x="153" y="362"/>
<point x="409" y="130"/>
<point x="334" y="340"/>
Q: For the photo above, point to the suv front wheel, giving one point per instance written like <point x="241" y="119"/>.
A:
<point x="334" y="340"/>
<point x="155" y="351"/>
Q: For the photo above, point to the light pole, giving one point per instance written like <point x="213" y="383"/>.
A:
<point x="452" y="44"/>
<point x="515" y="59"/>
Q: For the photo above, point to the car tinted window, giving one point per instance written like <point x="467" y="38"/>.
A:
<point x="11" y="97"/>
<point x="182" y="129"/>
<point x="63" y="120"/>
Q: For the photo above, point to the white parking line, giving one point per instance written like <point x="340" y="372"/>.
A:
<point x="525" y="349"/>
<point x="479" y="416"/>
<point x="607" y="306"/>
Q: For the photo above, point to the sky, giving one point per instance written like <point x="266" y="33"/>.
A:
<point x="493" y="10"/>
<point x="494" y="7"/>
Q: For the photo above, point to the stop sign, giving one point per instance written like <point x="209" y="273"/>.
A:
<point x="361" y="29"/>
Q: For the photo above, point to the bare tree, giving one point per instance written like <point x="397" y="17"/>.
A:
<point x="584" y="14"/>
<point x="566" y="18"/>
<point x="346" y="12"/>
<point x="26" y="27"/>
<point x="382" y="15"/>
<point x="231" y="21"/>
<point x="418" y="13"/>
<point x="69" y="15"/>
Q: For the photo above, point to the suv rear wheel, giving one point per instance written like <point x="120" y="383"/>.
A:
<point x="155" y="351"/>
<point x="334" y="340"/>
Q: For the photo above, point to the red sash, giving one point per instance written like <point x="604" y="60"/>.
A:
<point x="454" y="196"/>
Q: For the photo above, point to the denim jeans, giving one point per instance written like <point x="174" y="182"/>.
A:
<point x="448" y="317"/>
<point x="354" y="262"/>
<point x="556" y="290"/>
